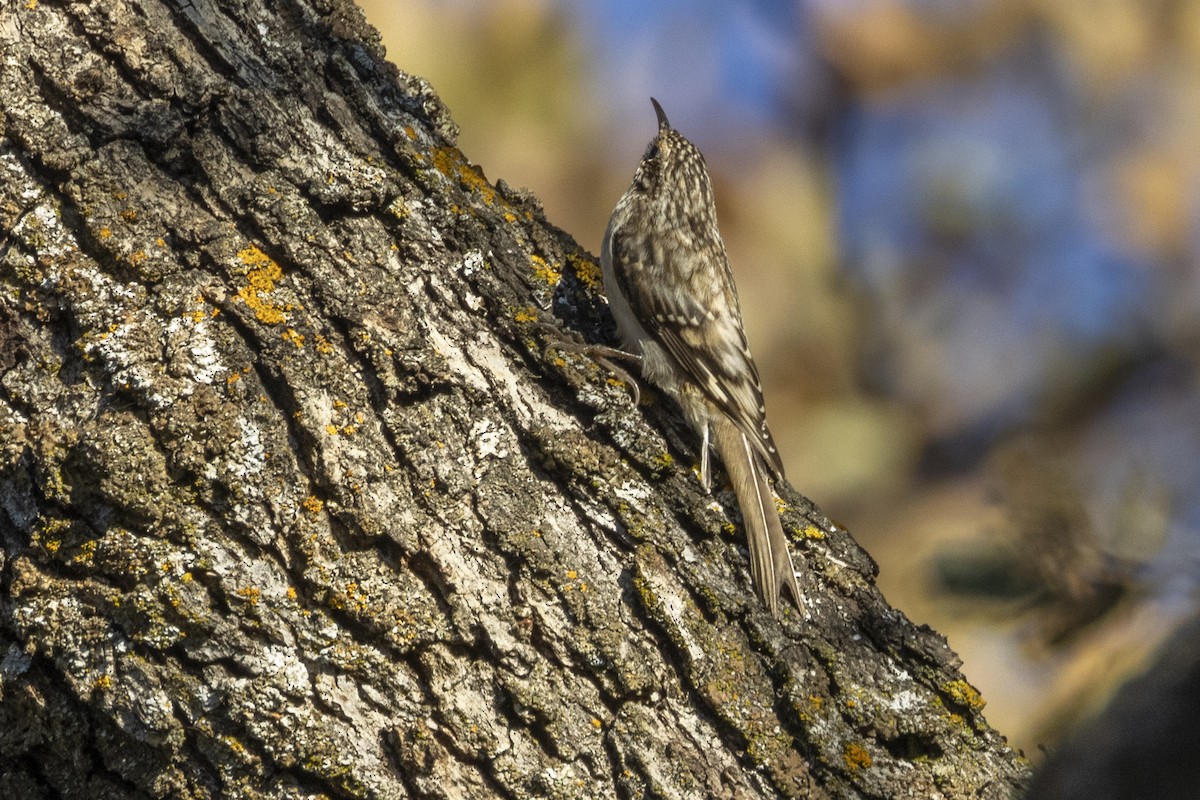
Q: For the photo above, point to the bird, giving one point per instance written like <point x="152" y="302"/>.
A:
<point x="671" y="292"/>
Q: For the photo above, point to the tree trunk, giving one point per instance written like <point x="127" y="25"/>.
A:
<point x="293" y="505"/>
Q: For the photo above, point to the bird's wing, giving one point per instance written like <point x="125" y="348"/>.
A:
<point x="695" y="318"/>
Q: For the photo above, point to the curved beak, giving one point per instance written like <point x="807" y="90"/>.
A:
<point x="663" y="123"/>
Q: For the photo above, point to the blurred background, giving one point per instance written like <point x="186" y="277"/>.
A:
<point x="966" y="236"/>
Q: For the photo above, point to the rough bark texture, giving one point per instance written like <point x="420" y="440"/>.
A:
<point x="292" y="505"/>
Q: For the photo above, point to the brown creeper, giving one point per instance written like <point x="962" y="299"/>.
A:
<point x="671" y="291"/>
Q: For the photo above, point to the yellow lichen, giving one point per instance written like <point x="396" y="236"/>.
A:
<point x="86" y="553"/>
<point x="313" y="504"/>
<point x="812" y="532"/>
<point x="360" y="600"/>
<point x="260" y="280"/>
<point x="450" y="162"/>
<point x="250" y="595"/>
<point x="964" y="694"/>
<point x="290" y="335"/>
<point x="544" y="271"/>
<point x="586" y="270"/>
<point x="526" y="314"/>
<point x="617" y="382"/>
<point x="856" y="757"/>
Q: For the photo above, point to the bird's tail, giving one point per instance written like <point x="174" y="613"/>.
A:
<point x="770" y="564"/>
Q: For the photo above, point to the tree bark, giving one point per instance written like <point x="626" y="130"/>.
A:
<point x="293" y="504"/>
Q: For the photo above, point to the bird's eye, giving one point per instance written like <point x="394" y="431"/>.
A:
<point x="652" y="150"/>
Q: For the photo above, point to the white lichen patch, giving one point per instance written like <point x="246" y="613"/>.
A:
<point x="329" y="156"/>
<point x="529" y="403"/>
<point x="634" y="493"/>
<point x="282" y="662"/>
<point x="905" y="701"/>
<point x="456" y="359"/>
<point x="252" y="457"/>
<point x="195" y="349"/>
<point x="490" y="439"/>
<point x="471" y="263"/>
<point x="129" y="373"/>
<point x="44" y="231"/>
<point x="15" y="176"/>
<point x="243" y="458"/>
<point x="674" y="606"/>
